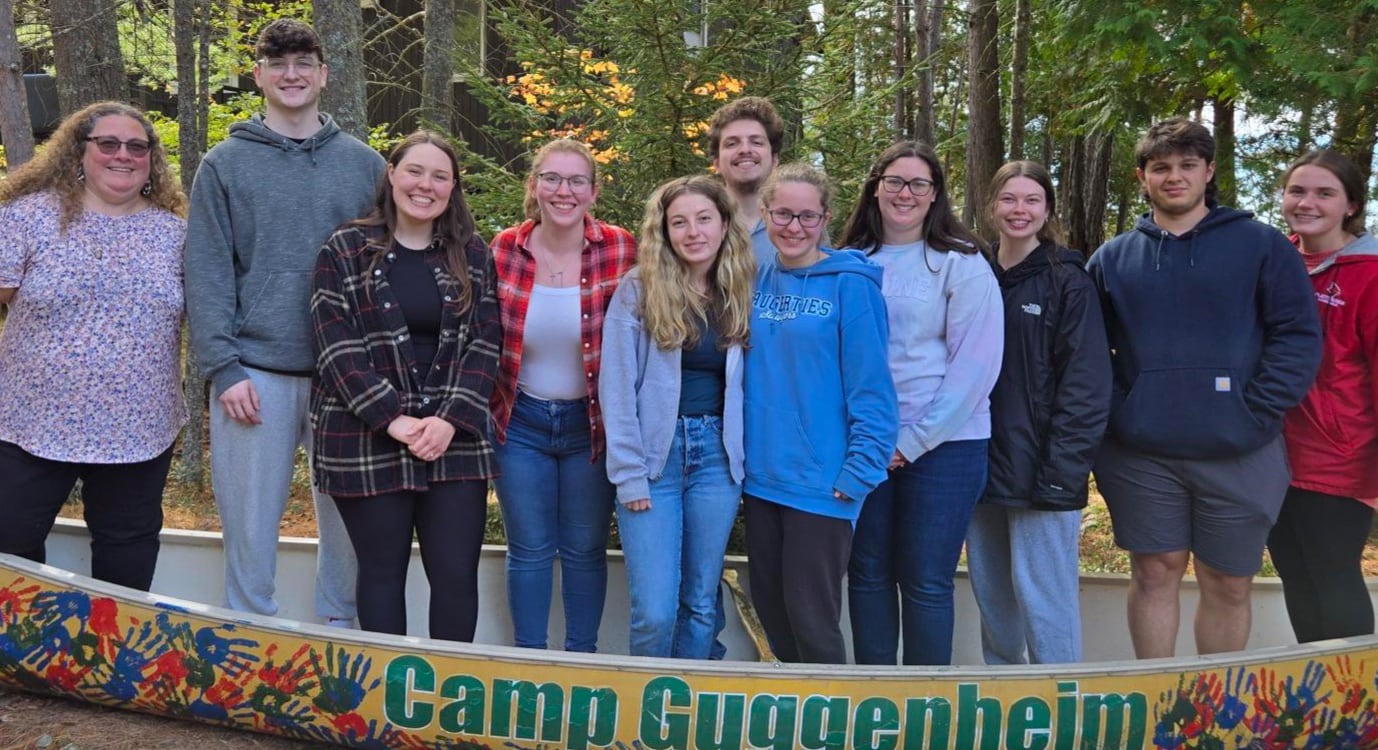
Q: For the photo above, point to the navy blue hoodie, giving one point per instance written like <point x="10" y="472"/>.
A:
<point x="1213" y="334"/>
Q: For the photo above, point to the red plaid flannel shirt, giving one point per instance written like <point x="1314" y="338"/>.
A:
<point x="367" y="374"/>
<point x="609" y="252"/>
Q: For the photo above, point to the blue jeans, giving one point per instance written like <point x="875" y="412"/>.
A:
<point x="910" y="534"/>
<point x="675" y="548"/>
<point x="554" y="500"/>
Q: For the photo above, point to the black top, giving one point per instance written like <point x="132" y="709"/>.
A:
<point x="703" y="376"/>
<point x="413" y="284"/>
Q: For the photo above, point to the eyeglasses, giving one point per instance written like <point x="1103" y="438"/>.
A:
<point x="278" y="65"/>
<point x="918" y="187"/>
<point x="110" y="145"/>
<point x="781" y="217"/>
<point x="578" y="183"/>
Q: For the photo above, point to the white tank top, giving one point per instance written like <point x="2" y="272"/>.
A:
<point x="552" y="359"/>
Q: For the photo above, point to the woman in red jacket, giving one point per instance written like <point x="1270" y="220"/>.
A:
<point x="1332" y="436"/>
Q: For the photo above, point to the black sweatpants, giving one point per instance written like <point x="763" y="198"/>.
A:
<point x="1317" y="546"/>
<point x="795" y="561"/>
<point x="448" y="520"/>
<point x="121" y="503"/>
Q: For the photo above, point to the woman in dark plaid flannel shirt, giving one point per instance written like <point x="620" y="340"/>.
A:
<point x="407" y="339"/>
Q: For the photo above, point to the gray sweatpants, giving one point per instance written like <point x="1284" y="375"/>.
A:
<point x="251" y="472"/>
<point x="1024" y="571"/>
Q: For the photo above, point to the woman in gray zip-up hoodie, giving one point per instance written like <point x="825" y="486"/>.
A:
<point x="671" y="387"/>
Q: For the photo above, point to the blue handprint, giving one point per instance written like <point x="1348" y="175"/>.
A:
<point x="229" y="654"/>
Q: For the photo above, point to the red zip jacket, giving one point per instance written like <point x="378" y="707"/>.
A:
<point x="1332" y="436"/>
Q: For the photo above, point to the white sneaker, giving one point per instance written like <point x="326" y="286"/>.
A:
<point x="340" y="622"/>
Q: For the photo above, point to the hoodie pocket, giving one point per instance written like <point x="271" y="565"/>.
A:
<point x="1195" y="412"/>
<point x="280" y="308"/>
<point x="782" y="450"/>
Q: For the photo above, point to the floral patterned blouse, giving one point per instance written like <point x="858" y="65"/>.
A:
<point x="90" y="354"/>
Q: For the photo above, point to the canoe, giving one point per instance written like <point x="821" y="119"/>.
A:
<point x="164" y="653"/>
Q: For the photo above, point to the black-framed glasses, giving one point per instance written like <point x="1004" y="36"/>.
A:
<point x="110" y="145"/>
<point x="918" y="187"/>
<point x="578" y="183"/>
<point x="781" y="217"/>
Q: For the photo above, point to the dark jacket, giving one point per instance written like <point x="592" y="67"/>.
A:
<point x="1052" y="400"/>
<point x="367" y="374"/>
<point x="1214" y="334"/>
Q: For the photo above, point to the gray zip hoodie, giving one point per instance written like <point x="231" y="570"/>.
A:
<point x="261" y="207"/>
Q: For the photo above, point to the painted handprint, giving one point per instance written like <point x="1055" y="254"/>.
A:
<point x="343" y="680"/>
<point x="230" y="655"/>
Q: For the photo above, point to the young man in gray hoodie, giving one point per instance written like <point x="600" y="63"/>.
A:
<point x="262" y="204"/>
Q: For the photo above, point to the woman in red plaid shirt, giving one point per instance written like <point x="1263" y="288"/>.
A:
<point x="557" y="272"/>
<point x="407" y="332"/>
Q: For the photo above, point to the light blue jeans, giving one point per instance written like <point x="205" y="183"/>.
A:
<point x="675" y="548"/>
<point x="555" y="501"/>
<point x="1024" y="573"/>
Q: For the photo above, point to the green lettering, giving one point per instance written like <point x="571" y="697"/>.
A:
<point x="1066" y="715"/>
<point x="877" y="725"/>
<point x="660" y="729"/>
<point x="771" y="721"/>
<point x="1030" y="722"/>
<point x="405" y="675"/>
<point x="823" y="722"/>
<point x="464" y="715"/>
<point x="719" y="725"/>
<point x="590" y="721"/>
<point x="1114" y="709"/>
<point x="547" y="699"/>
<point x="927" y="715"/>
<point x="971" y="709"/>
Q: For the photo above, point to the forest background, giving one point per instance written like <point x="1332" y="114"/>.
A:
<point x="1070" y="83"/>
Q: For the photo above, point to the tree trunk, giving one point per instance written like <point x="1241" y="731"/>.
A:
<point x="1019" y="68"/>
<point x="904" y="115"/>
<point x="1226" y="183"/>
<point x="1071" y="198"/>
<point x="338" y="23"/>
<point x="1096" y="188"/>
<point x="86" y="54"/>
<point x="16" y="129"/>
<point x="190" y="139"/>
<point x="1356" y="115"/>
<point x="984" y="147"/>
<point x="928" y="33"/>
<point x="437" y="86"/>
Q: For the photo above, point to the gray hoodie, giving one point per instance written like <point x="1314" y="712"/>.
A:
<point x="261" y="207"/>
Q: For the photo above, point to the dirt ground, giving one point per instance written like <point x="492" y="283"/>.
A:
<point x="33" y="722"/>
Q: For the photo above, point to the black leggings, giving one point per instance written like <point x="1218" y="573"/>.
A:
<point x="449" y="521"/>
<point x="121" y="503"/>
<point x="1317" y="546"/>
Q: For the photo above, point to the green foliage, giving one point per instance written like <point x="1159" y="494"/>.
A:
<point x="626" y="83"/>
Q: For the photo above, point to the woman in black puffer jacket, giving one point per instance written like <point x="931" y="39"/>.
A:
<point x="1048" y="413"/>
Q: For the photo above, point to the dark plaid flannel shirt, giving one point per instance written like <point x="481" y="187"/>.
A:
<point x="609" y="252"/>
<point x="366" y="373"/>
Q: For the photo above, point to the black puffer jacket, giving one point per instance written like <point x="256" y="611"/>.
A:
<point x="1052" y="401"/>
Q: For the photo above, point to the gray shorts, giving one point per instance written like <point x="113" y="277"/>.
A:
<point x="1219" y="509"/>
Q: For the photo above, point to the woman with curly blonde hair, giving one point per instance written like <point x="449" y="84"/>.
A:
<point x="672" y="400"/>
<point x="90" y="354"/>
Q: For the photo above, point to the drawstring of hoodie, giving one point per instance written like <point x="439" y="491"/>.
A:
<point x="1158" y="251"/>
<point x="311" y="149"/>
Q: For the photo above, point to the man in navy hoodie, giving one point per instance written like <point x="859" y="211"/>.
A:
<point x="1214" y="334"/>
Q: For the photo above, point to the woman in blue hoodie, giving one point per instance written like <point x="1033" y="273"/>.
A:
<point x="820" y="418"/>
<point x="945" y="344"/>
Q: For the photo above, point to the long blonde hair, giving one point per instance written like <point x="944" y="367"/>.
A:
<point x="57" y="167"/>
<point x="671" y="309"/>
<point x="531" y="207"/>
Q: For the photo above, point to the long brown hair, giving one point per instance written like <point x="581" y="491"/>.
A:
<point x="1051" y="231"/>
<point x="57" y="166"/>
<point x="453" y="228"/>
<point x="942" y="230"/>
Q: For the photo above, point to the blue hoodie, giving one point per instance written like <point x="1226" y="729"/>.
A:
<point x="1214" y="334"/>
<point x="820" y="404"/>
